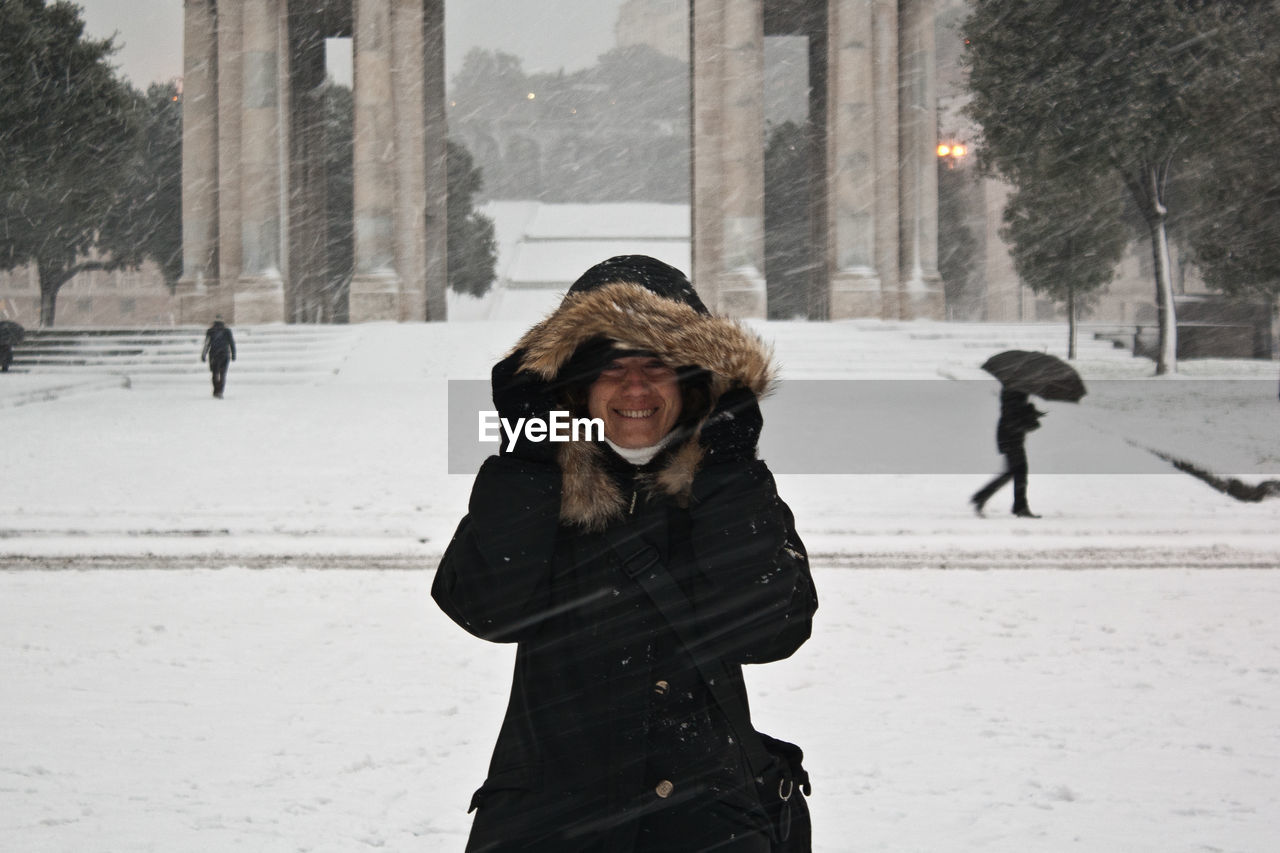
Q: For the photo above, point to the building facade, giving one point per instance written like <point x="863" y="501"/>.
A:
<point x="249" y="172"/>
<point x="253" y="187"/>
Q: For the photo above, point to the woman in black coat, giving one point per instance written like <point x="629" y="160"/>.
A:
<point x="612" y="741"/>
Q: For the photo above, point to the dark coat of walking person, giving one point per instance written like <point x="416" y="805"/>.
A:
<point x="1017" y="418"/>
<point x="219" y="350"/>
<point x="11" y="334"/>
<point x="613" y="741"/>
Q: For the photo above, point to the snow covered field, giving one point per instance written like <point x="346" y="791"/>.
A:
<point x="1106" y="678"/>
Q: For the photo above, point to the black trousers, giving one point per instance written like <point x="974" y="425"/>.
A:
<point x="218" y="370"/>
<point x="1015" y="468"/>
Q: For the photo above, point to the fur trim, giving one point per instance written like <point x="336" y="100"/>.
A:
<point x="637" y="318"/>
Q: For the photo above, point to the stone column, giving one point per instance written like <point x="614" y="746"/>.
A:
<point x="260" y="293"/>
<point x="375" y="287"/>
<point x="230" y="84"/>
<point x="306" y="295"/>
<point x="920" y="286"/>
<point x="817" y="302"/>
<point x="728" y="167"/>
<point x="199" y="162"/>
<point x="410" y="157"/>
<point x="707" y="127"/>
<point x="436" y="273"/>
<point x="742" y="284"/>
<point x="852" y="166"/>
<point x="1003" y="290"/>
<point x="884" y="36"/>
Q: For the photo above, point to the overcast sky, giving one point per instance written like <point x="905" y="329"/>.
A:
<point x="545" y="34"/>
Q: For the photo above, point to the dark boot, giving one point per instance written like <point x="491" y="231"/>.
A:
<point x="1024" y="512"/>
<point x="980" y="497"/>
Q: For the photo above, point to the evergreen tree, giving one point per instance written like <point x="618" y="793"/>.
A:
<point x="473" y="253"/>
<point x="146" y="219"/>
<point x="617" y="131"/>
<point x="1233" y="184"/>
<point x="491" y="84"/>
<point x="68" y="132"/>
<point x="1100" y="90"/>
<point x="1064" y="239"/>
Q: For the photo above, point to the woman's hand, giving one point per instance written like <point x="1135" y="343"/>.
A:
<point x="733" y="428"/>
<point x="518" y="395"/>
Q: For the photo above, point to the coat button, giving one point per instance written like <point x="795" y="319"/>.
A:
<point x="661" y="688"/>
<point x="664" y="788"/>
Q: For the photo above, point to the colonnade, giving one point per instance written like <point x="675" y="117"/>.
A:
<point x="253" y="159"/>
<point x="253" y="174"/>
<point x="873" y="187"/>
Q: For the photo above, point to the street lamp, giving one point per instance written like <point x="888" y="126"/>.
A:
<point x="952" y="153"/>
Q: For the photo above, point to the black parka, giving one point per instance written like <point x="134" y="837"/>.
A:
<point x="1018" y="416"/>
<point x="608" y="716"/>
<point x="219" y="344"/>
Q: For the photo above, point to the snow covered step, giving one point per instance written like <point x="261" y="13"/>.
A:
<point x="288" y="353"/>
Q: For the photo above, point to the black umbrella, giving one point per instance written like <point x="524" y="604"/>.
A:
<point x="11" y="333"/>
<point x="1046" y="376"/>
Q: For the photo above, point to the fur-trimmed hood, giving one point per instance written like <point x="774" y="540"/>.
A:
<point x="634" y="317"/>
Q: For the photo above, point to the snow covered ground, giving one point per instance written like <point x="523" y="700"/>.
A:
<point x="1106" y="678"/>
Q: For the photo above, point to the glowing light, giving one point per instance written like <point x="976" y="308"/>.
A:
<point x="531" y="96"/>
<point x="952" y="152"/>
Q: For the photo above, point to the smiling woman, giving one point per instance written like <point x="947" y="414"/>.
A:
<point x="636" y="575"/>
<point x="638" y="398"/>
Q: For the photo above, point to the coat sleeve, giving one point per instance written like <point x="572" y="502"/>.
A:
<point x="756" y="596"/>
<point x="494" y="579"/>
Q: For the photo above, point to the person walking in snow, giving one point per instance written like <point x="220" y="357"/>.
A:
<point x="219" y="350"/>
<point x="636" y="575"/>
<point x="1018" y="416"/>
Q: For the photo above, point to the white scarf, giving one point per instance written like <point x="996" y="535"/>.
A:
<point x="640" y="455"/>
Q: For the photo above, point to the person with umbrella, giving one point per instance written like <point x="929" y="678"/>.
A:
<point x="1017" y="418"/>
<point x="1022" y="374"/>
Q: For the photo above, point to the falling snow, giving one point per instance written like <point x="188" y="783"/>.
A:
<point x="963" y="690"/>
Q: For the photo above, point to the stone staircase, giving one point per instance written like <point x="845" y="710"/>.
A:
<point x="935" y="350"/>
<point x="310" y="353"/>
<point x="271" y="353"/>
<point x="1043" y="337"/>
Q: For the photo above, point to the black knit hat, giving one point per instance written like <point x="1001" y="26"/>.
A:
<point x="662" y="279"/>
